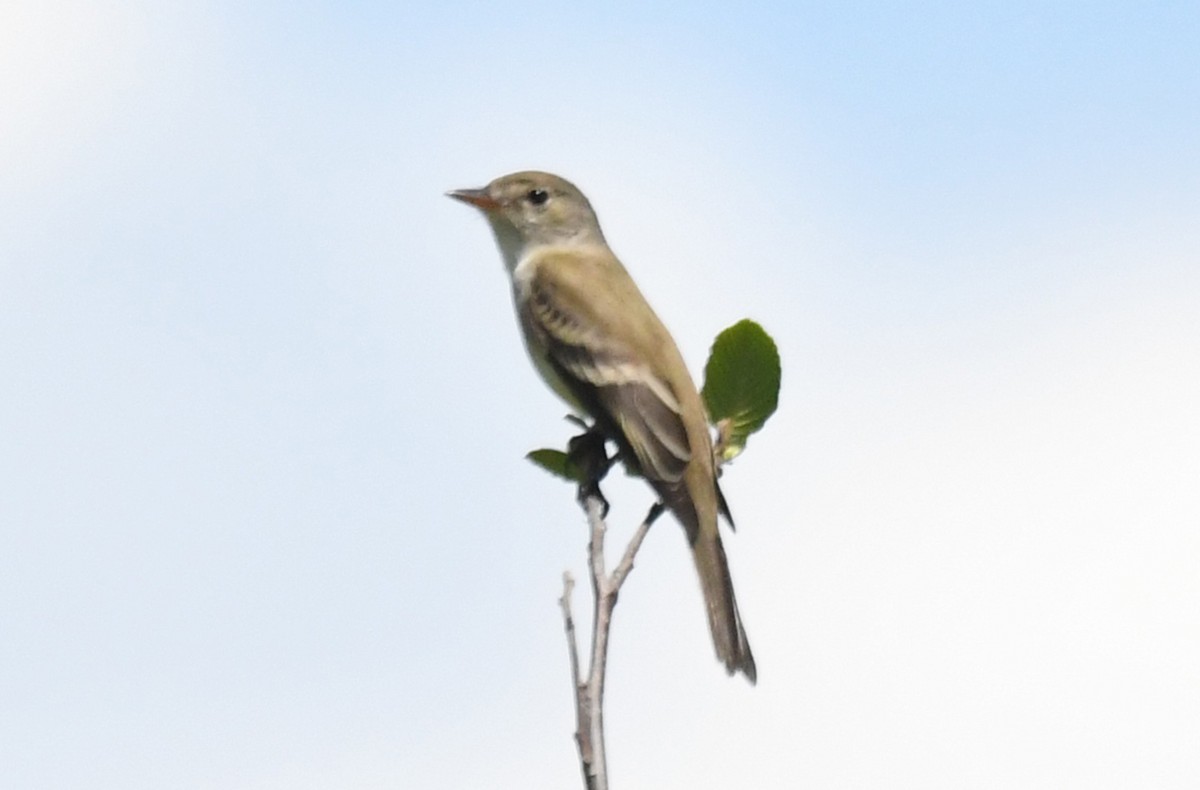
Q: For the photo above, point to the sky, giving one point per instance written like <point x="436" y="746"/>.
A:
<point x="265" y="520"/>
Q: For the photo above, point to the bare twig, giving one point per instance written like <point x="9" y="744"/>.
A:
<point x="588" y="453"/>
<point x="635" y="543"/>
<point x="585" y="749"/>
<point x="603" y="599"/>
<point x="589" y="694"/>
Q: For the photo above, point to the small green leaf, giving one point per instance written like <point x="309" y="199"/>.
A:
<point x="741" y="384"/>
<point x="557" y="463"/>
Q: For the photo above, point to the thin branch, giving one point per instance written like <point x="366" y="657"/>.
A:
<point x="588" y="453"/>
<point x="603" y="599"/>
<point x="589" y="694"/>
<point x="569" y="623"/>
<point x="635" y="543"/>
<point x="582" y="739"/>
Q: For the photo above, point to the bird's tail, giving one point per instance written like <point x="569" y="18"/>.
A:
<point x="724" y="622"/>
<point x="729" y="637"/>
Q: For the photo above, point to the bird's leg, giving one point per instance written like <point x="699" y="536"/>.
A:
<point x="587" y="452"/>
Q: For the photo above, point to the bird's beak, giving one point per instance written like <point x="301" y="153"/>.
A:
<point x="479" y="198"/>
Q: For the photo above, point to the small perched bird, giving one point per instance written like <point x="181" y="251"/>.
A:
<point x="600" y="346"/>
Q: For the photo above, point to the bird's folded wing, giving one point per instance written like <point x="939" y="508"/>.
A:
<point x="606" y="354"/>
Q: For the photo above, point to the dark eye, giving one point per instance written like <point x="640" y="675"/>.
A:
<point x="537" y="196"/>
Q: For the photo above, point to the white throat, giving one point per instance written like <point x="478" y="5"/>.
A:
<point x="511" y="243"/>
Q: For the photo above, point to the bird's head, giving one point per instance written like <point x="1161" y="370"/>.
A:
<point x="533" y="209"/>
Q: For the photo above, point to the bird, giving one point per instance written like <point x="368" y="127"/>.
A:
<point x="599" y="345"/>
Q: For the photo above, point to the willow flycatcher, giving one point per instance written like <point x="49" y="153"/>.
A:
<point x="600" y="346"/>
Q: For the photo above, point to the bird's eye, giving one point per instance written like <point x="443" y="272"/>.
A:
<point x="537" y="196"/>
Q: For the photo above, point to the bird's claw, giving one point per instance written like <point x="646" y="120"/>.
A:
<point x="589" y="455"/>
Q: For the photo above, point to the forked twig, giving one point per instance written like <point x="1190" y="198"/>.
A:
<point x="589" y="693"/>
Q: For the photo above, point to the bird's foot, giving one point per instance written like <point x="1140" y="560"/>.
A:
<point x="587" y="452"/>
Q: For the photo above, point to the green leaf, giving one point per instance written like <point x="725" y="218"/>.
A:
<point x="741" y="384"/>
<point x="557" y="463"/>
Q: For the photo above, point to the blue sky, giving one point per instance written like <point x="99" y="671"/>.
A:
<point x="265" y="520"/>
